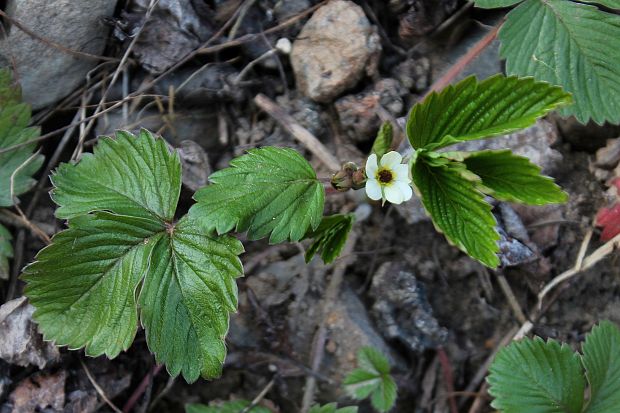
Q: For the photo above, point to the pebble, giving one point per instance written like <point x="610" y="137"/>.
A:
<point x="334" y="50"/>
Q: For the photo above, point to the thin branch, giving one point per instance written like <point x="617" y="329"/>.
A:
<point x="331" y="293"/>
<point x="99" y="389"/>
<point x="53" y="44"/>
<point x="298" y="132"/>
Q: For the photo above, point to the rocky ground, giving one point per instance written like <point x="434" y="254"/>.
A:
<point x="339" y="68"/>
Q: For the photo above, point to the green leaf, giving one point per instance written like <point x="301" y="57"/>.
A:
<point x="536" y="377"/>
<point x="612" y="4"/>
<point x="457" y="208"/>
<point x="569" y="44"/>
<point x="269" y="190"/>
<point x="187" y="297"/>
<point x="122" y="255"/>
<point x="332" y="408"/>
<point x="330" y="237"/>
<point x="83" y="284"/>
<point x="601" y="358"/>
<point x="493" y="4"/>
<point x="372" y="378"/>
<point x="474" y="110"/>
<point x="513" y="178"/>
<point x="383" y="141"/>
<point x="127" y="176"/>
<point x="19" y="164"/>
<point x="6" y="252"/>
<point x="235" y="406"/>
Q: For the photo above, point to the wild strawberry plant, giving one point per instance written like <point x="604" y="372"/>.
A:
<point x="532" y="375"/>
<point x="566" y="43"/>
<point x="18" y="165"/>
<point x="129" y="258"/>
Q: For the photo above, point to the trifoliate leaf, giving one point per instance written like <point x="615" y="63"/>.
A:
<point x="492" y="4"/>
<point x="127" y="176"/>
<point x="122" y="255"/>
<point x="269" y="190"/>
<point x="601" y="358"/>
<point x="474" y="110"/>
<point x="6" y="252"/>
<point x="383" y="141"/>
<point x="513" y="178"/>
<point x="569" y="44"/>
<point x="332" y="408"/>
<point x="235" y="406"/>
<point x="186" y="298"/>
<point x="19" y="164"/>
<point x="372" y="379"/>
<point x="534" y="376"/>
<point x="457" y="208"/>
<point x="330" y="237"/>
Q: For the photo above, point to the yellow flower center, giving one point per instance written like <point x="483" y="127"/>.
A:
<point x="385" y="176"/>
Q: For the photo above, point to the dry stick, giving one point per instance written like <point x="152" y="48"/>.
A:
<point x="243" y="10"/>
<point x="448" y="378"/>
<point x="135" y="396"/>
<point x="320" y="336"/>
<point x="78" y="150"/>
<point x="21" y="220"/>
<point x="203" y="50"/>
<point x="99" y="389"/>
<point x="259" y="397"/>
<point x="510" y="296"/>
<point x="482" y="370"/>
<point x="53" y="44"/>
<point x="581" y="265"/>
<point x="300" y="133"/>
<point x="457" y="68"/>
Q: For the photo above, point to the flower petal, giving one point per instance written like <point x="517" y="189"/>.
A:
<point x="371" y="166"/>
<point x="404" y="189"/>
<point x="401" y="173"/>
<point x="393" y="194"/>
<point x="391" y="159"/>
<point x="373" y="189"/>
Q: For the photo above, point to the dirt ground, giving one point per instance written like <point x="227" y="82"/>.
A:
<point x="436" y="313"/>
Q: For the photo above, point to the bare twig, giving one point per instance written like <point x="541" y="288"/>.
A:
<point x="139" y="391"/>
<point x="243" y="10"/>
<point x="320" y="337"/>
<point x="53" y="44"/>
<point x="510" y="296"/>
<point x="78" y="150"/>
<point x="259" y="397"/>
<point x="99" y="389"/>
<point x="300" y="133"/>
<point x="446" y="368"/>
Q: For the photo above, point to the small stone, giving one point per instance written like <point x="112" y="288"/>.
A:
<point x="414" y="74"/>
<point x="334" y="50"/>
<point x="358" y="113"/>
<point x="20" y="343"/>
<point x="47" y="74"/>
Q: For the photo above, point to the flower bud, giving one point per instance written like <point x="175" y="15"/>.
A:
<point x="343" y="179"/>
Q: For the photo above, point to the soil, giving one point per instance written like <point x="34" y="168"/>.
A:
<point x="437" y="314"/>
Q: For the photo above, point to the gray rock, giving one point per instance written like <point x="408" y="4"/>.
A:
<point x="402" y="309"/>
<point x="20" y="343"/>
<point x="334" y="50"/>
<point x="175" y="28"/>
<point x="534" y="143"/>
<point x="46" y="73"/>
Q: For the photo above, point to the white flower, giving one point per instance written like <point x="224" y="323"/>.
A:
<point x="388" y="180"/>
